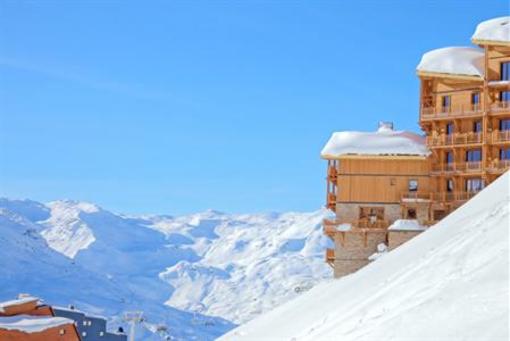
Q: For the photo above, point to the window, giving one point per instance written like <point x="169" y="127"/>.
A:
<point x="83" y="334"/>
<point x="504" y="124"/>
<point x="449" y="185"/>
<point x="393" y="181"/>
<point x="413" y="185"/>
<point x="504" y="154"/>
<point x="505" y="71"/>
<point x="477" y="126"/>
<point x="62" y="331"/>
<point x="474" y="155"/>
<point x="411" y="213"/>
<point x="474" y="185"/>
<point x="504" y="96"/>
<point x="475" y="100"/>
<point x="449" y="128"/>
<point x="449" y="157"/>
<point x="101" y="333"/>
<point x="446" y="103"/>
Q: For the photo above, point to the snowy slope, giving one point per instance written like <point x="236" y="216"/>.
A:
<point x="449" y="283"/>
<point x="208" y="264"/>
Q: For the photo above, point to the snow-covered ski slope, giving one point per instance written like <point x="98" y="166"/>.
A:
<point x="449" y="283"/>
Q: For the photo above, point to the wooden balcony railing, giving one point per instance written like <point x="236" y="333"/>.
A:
<point x="453" y="111"/>
<point x="454" y="139"/>
<point x="458" y="167"/>
<point x="331" y="202"/>
<point x="415" y="196"/>
<point x="498" y="166"/>
<point x="452" y="196"/>
<point x="499" y="136"/>
<point x="500" y="106"/>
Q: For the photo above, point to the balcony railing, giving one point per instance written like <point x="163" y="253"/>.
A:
<point x="416" y="196"/>
<point x="500" y="136"/>
<point x="454" y="139"/>
<point x="500" y="106"/>
<point x="454" y="111"/>
<point x="498" y="166"/>
<point x="457" y="167"/>
<point x="453" y="196"/>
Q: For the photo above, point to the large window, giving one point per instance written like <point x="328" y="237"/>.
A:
<point x="504" y="124"/>
<point x="474" y="155"/>
<point x="505" y="76"/>
<point x="475" y="100"/>
<point x="505" y="71"/>
<point x="504" y="154"/>
<point x="449" y="157"/>
<point x="477" y="126"/>
<point x="474" y="185"/>
<point x="449" y="185"/>
<point x="446" y="103"/>
<point x="449" y="128"/>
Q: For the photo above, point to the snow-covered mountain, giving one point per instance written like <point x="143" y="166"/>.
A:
<point x="194" y="276"/>
<point x="449" y="283"/>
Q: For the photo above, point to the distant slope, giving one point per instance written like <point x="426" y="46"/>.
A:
<point x="207" y="264"/>
<point x="450" y="283"/>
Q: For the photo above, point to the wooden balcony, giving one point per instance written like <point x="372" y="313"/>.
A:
<point x="499" y="136"/>
<point x="416" y="197"/>
<point x="457" y="167"/>
<point x="500" y="106"/>
<point x="446" y="140"/>
<point x="460" y="111"/>
<point x="453" y="196"/>
<point x="499" y="166"/>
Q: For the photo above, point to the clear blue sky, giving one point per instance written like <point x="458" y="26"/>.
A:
<point x="178" y="106"/>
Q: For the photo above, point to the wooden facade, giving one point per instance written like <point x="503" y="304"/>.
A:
<point x="467" y="123"/>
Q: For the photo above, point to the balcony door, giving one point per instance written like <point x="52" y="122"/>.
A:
<point x="504" y="96"/>
<point x="474" y="185"/>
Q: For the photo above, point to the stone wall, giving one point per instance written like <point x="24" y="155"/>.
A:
<point x="352" y="249"/>
<point x="350" y="212"/>
<point x="399" y="237"/>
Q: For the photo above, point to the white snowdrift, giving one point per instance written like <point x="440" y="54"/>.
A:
<point x="464" y="61"/>
<point x="449" y="283"/>
<point x="32" y="324"/>
<point x="382" y="142"/>
<point x="496" y="30"/>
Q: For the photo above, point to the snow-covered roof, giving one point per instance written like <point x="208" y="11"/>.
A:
<point x="384" y="141"/>
<point x="18" y="301"/>
<point x="32" y="324"/>
<point x="406" y="225"/>
<point x="463" y="61"/>
<point x="495" y="30"/>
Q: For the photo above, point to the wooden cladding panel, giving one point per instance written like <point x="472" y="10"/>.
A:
<point x="377" y="189"/>
<point x="387" y="166"/>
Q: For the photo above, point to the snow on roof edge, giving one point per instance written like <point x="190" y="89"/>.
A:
<point x="493" y="31"/>
<point x="32" y="324"/>
<point x="453" y="61"/>
<point x="383" y="142"/>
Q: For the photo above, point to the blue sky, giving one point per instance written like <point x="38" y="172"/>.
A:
<point x="179" y="106"/>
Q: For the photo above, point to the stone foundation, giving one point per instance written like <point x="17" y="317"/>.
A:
<point x="399" y="237"/>
<point x="352" y="249"/>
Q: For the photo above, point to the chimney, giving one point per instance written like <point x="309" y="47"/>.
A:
<point x="385" y="125"/>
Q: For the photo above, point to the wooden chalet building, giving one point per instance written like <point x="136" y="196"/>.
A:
<point x="386" y="187"/>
